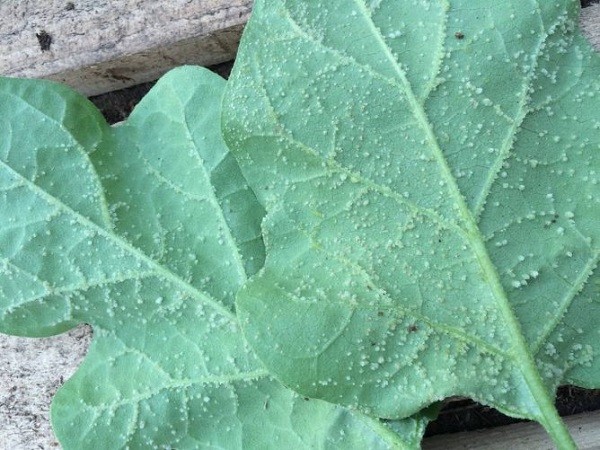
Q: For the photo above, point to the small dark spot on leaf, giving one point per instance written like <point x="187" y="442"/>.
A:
<point x="459" y="35"/>
<point x="70" y="6"/>
<point x="306" y="399"/>
<point x="380" y="313"/>
<point x="412" y="328"/>
<point x="44" y="39"/>
<point x="552" y="221"/>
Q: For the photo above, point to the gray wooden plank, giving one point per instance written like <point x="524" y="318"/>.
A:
<point x="590" y="22"/>
<point x="97" y="46"/>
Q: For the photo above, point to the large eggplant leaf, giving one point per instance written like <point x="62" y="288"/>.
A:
<point x="146" y="231"/>
<point x="431" y="171"/>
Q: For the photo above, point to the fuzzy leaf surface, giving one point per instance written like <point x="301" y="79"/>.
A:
<point x="146" y="231"/>
<point x="431" y="175"/>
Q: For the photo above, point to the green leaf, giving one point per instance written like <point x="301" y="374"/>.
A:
<point x="431" y="175"/>
<point x="146" y="231"/>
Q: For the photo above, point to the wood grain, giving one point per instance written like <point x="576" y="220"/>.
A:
<point x="97" y="46"/>
<point x="590" y="22"/>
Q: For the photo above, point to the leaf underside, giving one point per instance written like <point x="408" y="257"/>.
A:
<point x="146" y="231"/>
<point x="430" y="171"/>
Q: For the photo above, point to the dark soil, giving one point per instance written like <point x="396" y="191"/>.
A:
<point x="586" y="3"/>
<point x="466" y="415"/>
<point x="116" y="106"/>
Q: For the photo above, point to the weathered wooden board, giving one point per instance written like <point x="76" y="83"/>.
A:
<point x="101" y="45"/>
<point x="98" y="46"/>
<point x="590" y="21"/>
<point x="585" y="429"/>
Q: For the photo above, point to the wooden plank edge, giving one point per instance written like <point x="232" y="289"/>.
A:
<point x="100" y="46"/>
<point x="585" y="429"/>
<point x="96" y="46"/>
<point x="151" y="64"/>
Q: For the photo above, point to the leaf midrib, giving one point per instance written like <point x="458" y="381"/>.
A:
<point x="520" y="350"/>
<point x="334" y="166"/>
<point x="100" y="192"/>
<point x="72" y="288"/>
<point x="172" y="383"/>
<point x="384" y="191"/>
<point x="124" y="245"/>
<point x="181" y="384"/>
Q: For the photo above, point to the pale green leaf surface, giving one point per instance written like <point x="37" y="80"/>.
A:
<point x="431" y="175"/>
<point x="146" y="231"/>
